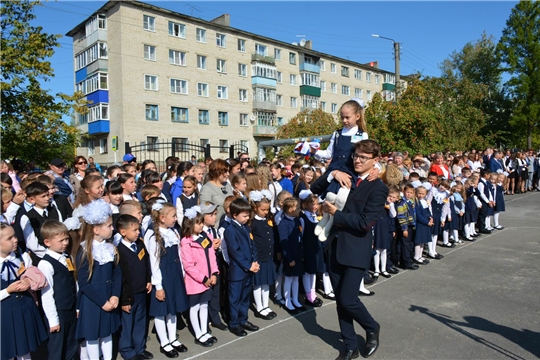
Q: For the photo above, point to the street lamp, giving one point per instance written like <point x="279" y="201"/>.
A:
<point x="396" y="58"/>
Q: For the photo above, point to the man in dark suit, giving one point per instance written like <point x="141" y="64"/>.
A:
<point x="350" y="247"/>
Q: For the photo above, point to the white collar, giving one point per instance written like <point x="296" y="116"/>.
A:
<point x="128" y="244"/>
<point x="289" y="217"/>
<point x="55" y="255"/>
<point x="349" y="132"/>
<point x="190" y="196"/>
<point x="257" y="217"/>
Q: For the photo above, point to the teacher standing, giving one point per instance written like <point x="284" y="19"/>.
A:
<point x="351" y="247"/>
<point x="217" y="188"/>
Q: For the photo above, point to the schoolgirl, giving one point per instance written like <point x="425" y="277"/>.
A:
<point x="471" y="208"/>
<point x="290" y="232"/>
<point x="264" y="234"/>
<point x="128" y="184"/>
<point x="307" y="176"/>
<point x="457" y="206"/>
<point x="91" y="190"/>
<point x="168" y="296"/>
<point x="313" y="249"/>
<point x="499" y="202"/>
<point x="100" y="282"/>
<point x="23" y="329"/>
<point x="239" y="185"/>
<point x="184" y="169"/>
<point x="189" y="197"/>
<point x="424" y="223"/>
<point x="200" y="266"/>
<point x="115" y="195"/>
<point x="440" y="209"/>
<point x="278" y="256"/>
<point x="383" y="232"/>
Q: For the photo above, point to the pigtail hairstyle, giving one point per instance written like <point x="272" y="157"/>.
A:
<point x="86" y="184"/>
<point x="164" y="208"/>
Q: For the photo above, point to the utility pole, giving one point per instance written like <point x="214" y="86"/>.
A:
<point x="397" y="58"/>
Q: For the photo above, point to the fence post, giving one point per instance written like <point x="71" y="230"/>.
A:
<point x="231" y="152"/>
<point x="173" y="148"/>
<point x="207" y="151"/>
<point x="127" y="148"/>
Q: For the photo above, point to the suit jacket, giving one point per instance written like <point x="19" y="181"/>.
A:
<point x="353" y="225"/>
<point x="241" y="250"/>
<point x="495" y="165"/>
<point x="63" y="187"/>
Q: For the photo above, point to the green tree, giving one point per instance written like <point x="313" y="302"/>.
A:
<point x="519" y="50"/>
<point x="32" y="126"/>
<point x="305" y="124"/>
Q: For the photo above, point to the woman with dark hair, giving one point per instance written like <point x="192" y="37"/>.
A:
<point x="79" y="165"/>
<point x="217" y="188"/>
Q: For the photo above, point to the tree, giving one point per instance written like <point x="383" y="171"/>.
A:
<point x="519" y="50"/>
<point x="32" y="126"/>
<point x="305" y="124"/>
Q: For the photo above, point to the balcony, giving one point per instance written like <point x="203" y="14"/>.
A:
<point x="264" y="105"/>
<point x="100" y="96"/>
<point x="310" y="67"/>
<point x="99" y="127"/>
<point x="259" y="80"/>
<point x="310" y="90"/>
<point x="388" y="86"/>
<point x="264" y="131"/>
<point x="264" y="59"/>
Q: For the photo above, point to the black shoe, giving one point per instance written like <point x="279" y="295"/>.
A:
<point x="213" y="339"/>
<point x="291" y="311"/>
<point x="348" y="355"/>
<point x="238" y="331"/>
<point x="146" y="355"/>
<point x="410" y="267"/>
<point x="221" y="326"/>
<point x="420" y="262"/>
<point x="300" y="308"/>
<point x="170" y="354"/>
<point x="369" y="281"/>
<point x="393" y="270"/>
<point x="137" y="357"/>
<point x="361" y="293"/>
<point x="272" y="314"/>
<point x="261" y="316"/>
<point x="485" y="232"/>
<point x="317" y="303"/>
<point x="180" y="348"/>
<point x="249" y="326"/>
<point x="207" y="343"/>
<point x="372" y="343"/>
<point x="449" y="245"/>
<point x="386" y="275"/>
<point x="329" y="296"/>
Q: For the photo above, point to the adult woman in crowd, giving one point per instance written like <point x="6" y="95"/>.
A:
<point x="512" y="174"/>
<point x="217" y="188"/>
<point x="457" y="166"/>
<point x="398" y="160"/>
<point x="440" y="167"/>
<point x="476" y="162"/>
<point x="79" y="165"/>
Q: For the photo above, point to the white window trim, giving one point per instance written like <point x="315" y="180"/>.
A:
<point x="179" y="93"/>
<point x="157" y="82"/>
<point x="220" y="89"/>
<point x="154" y="27"/>
<point x="207" y="90"/>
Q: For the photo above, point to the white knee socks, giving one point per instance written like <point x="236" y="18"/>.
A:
<point x="418" y="252"/>
<point x="496" y="219"/>
<point x="106" y="345"/>
<point x="327" y="285"/>
<point x="265" y="292"/>
<point x="309" y="286"/>
<point x="445" y="234"/>
<point x="258" y="298"/>
<point x="383" y="260"/>
<point x="377" y="260"/>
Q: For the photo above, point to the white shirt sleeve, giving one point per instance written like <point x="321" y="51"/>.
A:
<point x="224" y="251"/>
<point x="323" y="155"/>
<point x="179" y="212"/>
<point x="151" y="246"/>
<point x="11" y="212"/>
<point x="481" y="191"/>
<point x="47" y="294"/>
<point x="31" y="238"/>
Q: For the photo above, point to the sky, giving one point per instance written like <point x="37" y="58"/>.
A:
<point x="428" y="31"/>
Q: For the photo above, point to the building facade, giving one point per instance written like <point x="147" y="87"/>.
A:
<point x="152" y="75"/>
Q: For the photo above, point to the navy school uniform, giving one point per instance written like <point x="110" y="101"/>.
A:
<point x="290" y="239"/>
<point x="135" y="265"/>
<point x="492" y="190"/>
<point x="264" y="237"/>
<point x="242" y="254"/>
<point x="471" y="210"/>
<point x="383" y="230"/>
<point x="422" y="235"/>
<point x="22" y="326"/>
<point x="436" y="210"/>
<point x="499" y="199"/>
<point x="106" y="281"/>
<point x="457" y="220"/>
<point x="214" y="305"/>
<point x="313" y="248"/>
<point x="189" y="202"/>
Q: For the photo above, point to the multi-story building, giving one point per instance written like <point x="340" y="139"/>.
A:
<point x="153" y="75"/>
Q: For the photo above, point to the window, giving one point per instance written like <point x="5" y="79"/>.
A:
<point x="308" y="60"/>
<point x="292" y="58"/>
<point x="204" y="142"/>
<point x="181" y="144"/>
<point x="368" y="93"/>
<point x="334" y="88"/>
<point x="377" y="79"/>
<point x="358" y="93"/>
<point x="152" y="143"/>
<point x="201" y="62"/>
<point x="152" y="112"/>
<point x="242" y="69"/>
<point x="323" y="105"/>
<point x="221" y="66"/>
<point x="202" y="89"/>
<point x="95" y="23"/>
<point x="223" y="146"/>
<point x="151" y="82"/>
<point x="149" y="52"/>
<point x="179" y="86"/>
<point x="221" y="40"/>
<point x="345" y="90"/>
<point x="201" y="35"/>
<point x="293" y="79"/>
<point x="204" y="117"/>
<point x="280" y="121"/>
<point x="279" y="77"/>
<point x="177" y="29"/>
<point x="368" y="77"/>
<point x="244" y="119"/>
<point x="310" y="79"/>
<point x="149" y="23"/>
<point x="264" y="94"/>
<point x="98" y="112"/>
<point x="260" y="49"/>
<point x="294" y="104"/>
<point x="222" y="92"/>
<point x="358" y="74"/>
<point x="323" y="85"/>
<point x="332" y="68"/>
<point x="243" y="95"/>
<point x="264" y="70"/>
<point x="90" y="146"/>
<point x="265" y="118"/>
<point x="103" y="146"/>
<point x="223" y="118"/>
<point x="322" y="64"/>
<point x="96" y="51"/>
<point x="95" y="82"/>
<point x="242" y="45"/>
<point x="345" y="71"/>
<point x="279" y="100"/>
<point x="83" y="119"/>
<point x="179" y="114"/>
<point x="391" y="79"/>
<point x="245" y="145"/>
<point x="177" y="57"/>
<point x="309" y="102"/>
<point x="277" y="54"/>
<point x="334" y="108"/>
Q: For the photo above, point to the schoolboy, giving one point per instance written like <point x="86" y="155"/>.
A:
<point x="242" y="265"/>
<point x="59" y="296"/>
<point x="406" y="217"/>
<point x="223" y="265"/>
<point x="59" y="207"/>
<point x="128" y="207"/>
<point x="135" y="265"/>
<point x="30" y="222"/>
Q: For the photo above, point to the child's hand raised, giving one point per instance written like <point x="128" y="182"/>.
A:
<point x="19" y="197"/>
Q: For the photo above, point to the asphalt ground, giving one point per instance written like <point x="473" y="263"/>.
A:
<point x="482" y="301"/>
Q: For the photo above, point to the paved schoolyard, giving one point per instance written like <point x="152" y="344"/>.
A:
<point x="482" y="301"/>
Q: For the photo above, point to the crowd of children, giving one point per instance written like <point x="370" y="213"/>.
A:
<point x="142" y="246"/>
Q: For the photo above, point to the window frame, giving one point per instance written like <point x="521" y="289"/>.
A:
<point x="151" y="24"/>
<point x="186" y="86"/>
<point x="206" y="88"/>
<point x="292" y="58"/>
<point x="221" y="40"/>
<point x="149" y="52"/>
<point x="241" y="45"/>
<point x="201" y="60"/>
<point x="200" y="35"/>
<point x="223" y="62"/>
<point x="172" y="57"/>
<point x="204" y="111"/>
<point x="178" y="116"/>
<point x="180" y="33"/>
<point x="226" y="118"/>
<point x="146" y="82"/>
<point x="223" y="90"/>
<point x="149" y="110"/>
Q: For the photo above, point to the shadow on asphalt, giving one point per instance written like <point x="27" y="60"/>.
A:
<point x="528" y="340"/>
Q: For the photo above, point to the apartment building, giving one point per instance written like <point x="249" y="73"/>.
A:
<point x="153" y="75"/>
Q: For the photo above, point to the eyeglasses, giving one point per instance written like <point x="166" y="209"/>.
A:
<point x="362" y="158"/>
<point x="245" y="158"/>
<point x="224" y="190"/>
<point x="82" y="163"/>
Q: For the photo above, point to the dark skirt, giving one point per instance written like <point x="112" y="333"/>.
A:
<point x="437" y="212"/>
<point x="172" y="280"/>
<point x="296" y="270"/>
<point x="457" y="222"/>
<point x="266" y="274"/>
<point x="200" y="298"/>
<point x="490" y="210"/>
<point x="382" y="237"/>
<point x="422" y="235"/>
<point x="499" y="201"/>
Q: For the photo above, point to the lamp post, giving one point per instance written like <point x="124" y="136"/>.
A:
<point x="396" y="58"/>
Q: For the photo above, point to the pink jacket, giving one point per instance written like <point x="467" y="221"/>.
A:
<point x="195" y="264"/>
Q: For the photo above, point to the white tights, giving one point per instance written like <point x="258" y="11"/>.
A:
<point x="309" y="286"/>
<point x="105" y="344"/>
<point x="290" y="290"/>
<point x="496" y="219"/>
<point x="198" y="314"/>
<point x="327" y="284"/>
<point x="418" y="251"/>
<point x="261" y="294"/>
<point x="380" y="259"/>
<point x="166" y="330"/>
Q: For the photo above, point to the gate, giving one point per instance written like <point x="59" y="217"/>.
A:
<point x="160" y="151"/>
